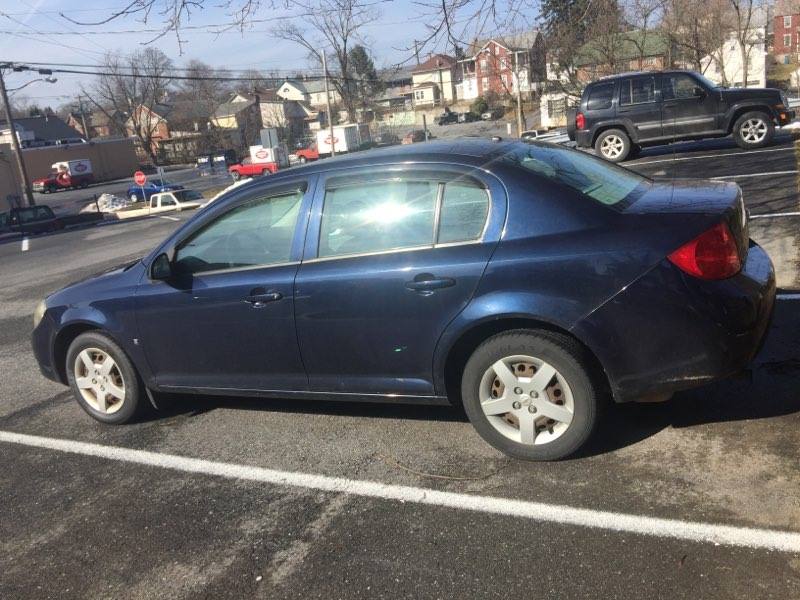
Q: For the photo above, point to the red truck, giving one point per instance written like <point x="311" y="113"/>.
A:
<point x="66" y="175"/>
<point x="306" y="154"/>
<point x="247" y="168"/>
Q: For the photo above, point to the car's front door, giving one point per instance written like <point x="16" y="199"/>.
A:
<point x="688" y="108"/>
<point x="225" y="319"/>
<point x="639" y="106"/>
<point x="391" y="258"/>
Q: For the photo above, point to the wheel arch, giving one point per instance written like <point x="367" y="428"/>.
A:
<point x="61" y="343"/>
<point x="738" y="110"/>
<point x="603" y="127"/>
<point x="459" y="351"/>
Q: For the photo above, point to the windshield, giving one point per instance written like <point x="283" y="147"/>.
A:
<point x="596" y="178"/>
<point x="705" y="81"/>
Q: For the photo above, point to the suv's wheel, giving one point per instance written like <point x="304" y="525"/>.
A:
<point x="613" y="144"/>
<point x="530" y="394"/>
<point x="103" y="379"/>
<point x="753" y="130"/>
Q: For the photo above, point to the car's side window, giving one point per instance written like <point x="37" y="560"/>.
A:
<point x="378" y="216"/>
<point x="465" y="208"/>
<point x="600" y="96"/>
<point x="154" y="200"/>
<point x="637" y="90"/>
<point x="257" y="233"/>
<point x="677" y="87"/>
<point x="167" y="200"/>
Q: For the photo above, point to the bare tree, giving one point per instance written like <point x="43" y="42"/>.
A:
<point x="334" y="24"/>
<point x="744" y="17"/>
<point x="695" y="29"/>
<point x="134" y="84"/>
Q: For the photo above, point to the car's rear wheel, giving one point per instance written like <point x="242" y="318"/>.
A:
<point x="613" y="144"/>
<point x="103" y="379"/>
<point x="753" y="130"/>
<point x="265" y="172"/>
<point x="531" y="394"/>
<point x="303" y="160"/>
<point x="236" y="175"/>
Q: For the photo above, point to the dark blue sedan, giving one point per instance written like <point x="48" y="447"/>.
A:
<point x="527" y="281"/>
<point x="139" y="193"/>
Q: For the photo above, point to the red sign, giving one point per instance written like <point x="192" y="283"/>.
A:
<point x="331" y="140"/>
<point x="139" y="178"/>
<point x="80" y="167"/>
<point x="262" y="154"/>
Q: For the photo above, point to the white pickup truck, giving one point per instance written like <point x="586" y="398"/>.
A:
<point x="176" y="200"/>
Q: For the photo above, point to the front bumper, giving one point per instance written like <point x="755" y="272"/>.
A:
<point x="42" y="345"/>
<point x="784" y="117"/>
<point x="669" y="332"/>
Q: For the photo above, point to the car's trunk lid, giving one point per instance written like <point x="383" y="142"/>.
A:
<point x="709" y="202"/>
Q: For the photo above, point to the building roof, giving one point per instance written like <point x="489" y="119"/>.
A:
<point x="785" y="8"/>
<point x="228" y="109"/>
<point x="513" y="41"/>
<point x="395" y="75"/>
<point x="308" y="86"/>
<point x="45" y="127"/>
<point x="628" y="46"/>
<point x="434" y="63"/>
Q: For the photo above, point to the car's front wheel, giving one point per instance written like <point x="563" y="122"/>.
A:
<point x="103" y="379"/>
<point x="531" y="394"/>
<point x="613" y="144"/>
<point x="753" y="130"/>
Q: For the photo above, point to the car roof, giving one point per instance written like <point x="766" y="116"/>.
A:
<point x="635" y="73"/>
<point x="470" y="151"/>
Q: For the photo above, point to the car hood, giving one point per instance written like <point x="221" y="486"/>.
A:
<point x="736" y="94"/>
<point x="106" y="279"/>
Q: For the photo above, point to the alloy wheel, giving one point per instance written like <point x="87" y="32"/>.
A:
<point x="612" y="146"/>
<point x="527" y="400"/>
<point x="753" y="131"/>
<point x="99" y="380"/>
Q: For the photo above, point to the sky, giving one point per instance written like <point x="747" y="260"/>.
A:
<point x="27" y="27"/>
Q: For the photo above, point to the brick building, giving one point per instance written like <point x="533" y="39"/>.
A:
<point x="786" y="31"/>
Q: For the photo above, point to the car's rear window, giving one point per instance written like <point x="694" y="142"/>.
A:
<point x="602" y="181"/>
<point x="600" y="96"/>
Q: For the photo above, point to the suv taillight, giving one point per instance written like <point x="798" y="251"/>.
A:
<point x="580" y="121"/>
<point x="711" y="255"/>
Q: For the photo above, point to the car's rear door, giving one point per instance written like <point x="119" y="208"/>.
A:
<point x="392" y="255"/>
<point x="639" y="106"/>
<point x="225" y="319"/>
<point x="685" y="113"/>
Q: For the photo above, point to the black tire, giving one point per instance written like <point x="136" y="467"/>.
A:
<point x="606" y="141"/>
<point x="303" y="160"/>
<point x="236" y="175"/>
<point x="265" y="172"/>
<point x="135" y="400"/>
<point x="571" y="362"/>
<point x="636" y="150"/>
<point x="741" y="137"/>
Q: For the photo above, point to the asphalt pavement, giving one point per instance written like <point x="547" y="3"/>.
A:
<point x="238" y="498"/>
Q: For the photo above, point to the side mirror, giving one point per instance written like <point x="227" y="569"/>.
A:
<point x="161" y="269"/>
<point x="698" y="92"/>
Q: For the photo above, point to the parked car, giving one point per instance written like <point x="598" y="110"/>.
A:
<point x="307" y="154"/>
<point x="417" y="135"/>
<point x="386" y="139"/>
<point x="468" y="117"/>
<point x="138" y="193"/>
<point x="30" y="220"/>
<point x="248" y="168"/>
<point x="493" y="114"/>
<point x="447" y="117"/>
<point x="65" y="175"/>
<point x="552" y="281"/>
<point x="621" y="114"/>
<point x="177" y="200"/>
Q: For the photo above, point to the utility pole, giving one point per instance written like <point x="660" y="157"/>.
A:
<point x="86" y="133"/>
<point x="416" y="51"/>
<point x="26" y="187"/>
<point x="328" y="104"/>
<point x="519" y="95"/>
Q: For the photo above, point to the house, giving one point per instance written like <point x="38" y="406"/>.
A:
<point x="38" y="131"/>
<point x="398" y="90"/>
<point x="725" y="66"/>
<point x="310" y="91"/>
<point x="293" y="117"/>
<point x="241" y="117"/>
<point x="433" y="81"/>
<point x="98" y="123"/>
<point x="786" y="30"/>
<point x="501" y="65"/>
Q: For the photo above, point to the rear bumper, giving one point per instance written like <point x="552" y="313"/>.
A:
<point x="583" y="138"/>
<point x="669" y="332"/>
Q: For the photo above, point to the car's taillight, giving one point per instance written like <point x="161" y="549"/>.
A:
<point x="580" y="121"/>
<point x="711" y="255"/>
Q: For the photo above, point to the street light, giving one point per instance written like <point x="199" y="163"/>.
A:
<point x="23" y="173"/>
<point x="26" y="84"/>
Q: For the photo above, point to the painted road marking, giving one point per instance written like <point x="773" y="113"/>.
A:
<point x="788" y="296"/>
<point x="169" y="218"/>
<point x="25" y="244"/>
<point x="772" y="215"/>
<point x="644" y="161"/>
<point x="786" y="541"/>
<point x="757" y="175"/>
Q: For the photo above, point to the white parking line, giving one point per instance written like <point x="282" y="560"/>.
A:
<point x="25" y="244"/>
<point x="170" y="218"/>
<point x="773" y="215"/>
<point x="644" y="161"/>
<point x="793" y="172"/>
<point x="785" y="541"/>
<point x="788" y="296"/>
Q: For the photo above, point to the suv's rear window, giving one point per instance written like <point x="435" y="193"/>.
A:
<point x="600" y="96"/>
<point x="594" y="177"/>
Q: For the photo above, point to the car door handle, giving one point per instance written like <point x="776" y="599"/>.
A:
<point x="259" y="298"/>
<point x="425" y="282"/>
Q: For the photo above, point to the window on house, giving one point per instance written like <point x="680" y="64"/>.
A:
<point x="485" y="82"/>
<point x="787" y="21"/>
<point x="787" y="39"/>
<point x="557" y="108"/>
<point x="483" y="64"/>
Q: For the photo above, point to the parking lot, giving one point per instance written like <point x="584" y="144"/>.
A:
<point x="223" y="497"/>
